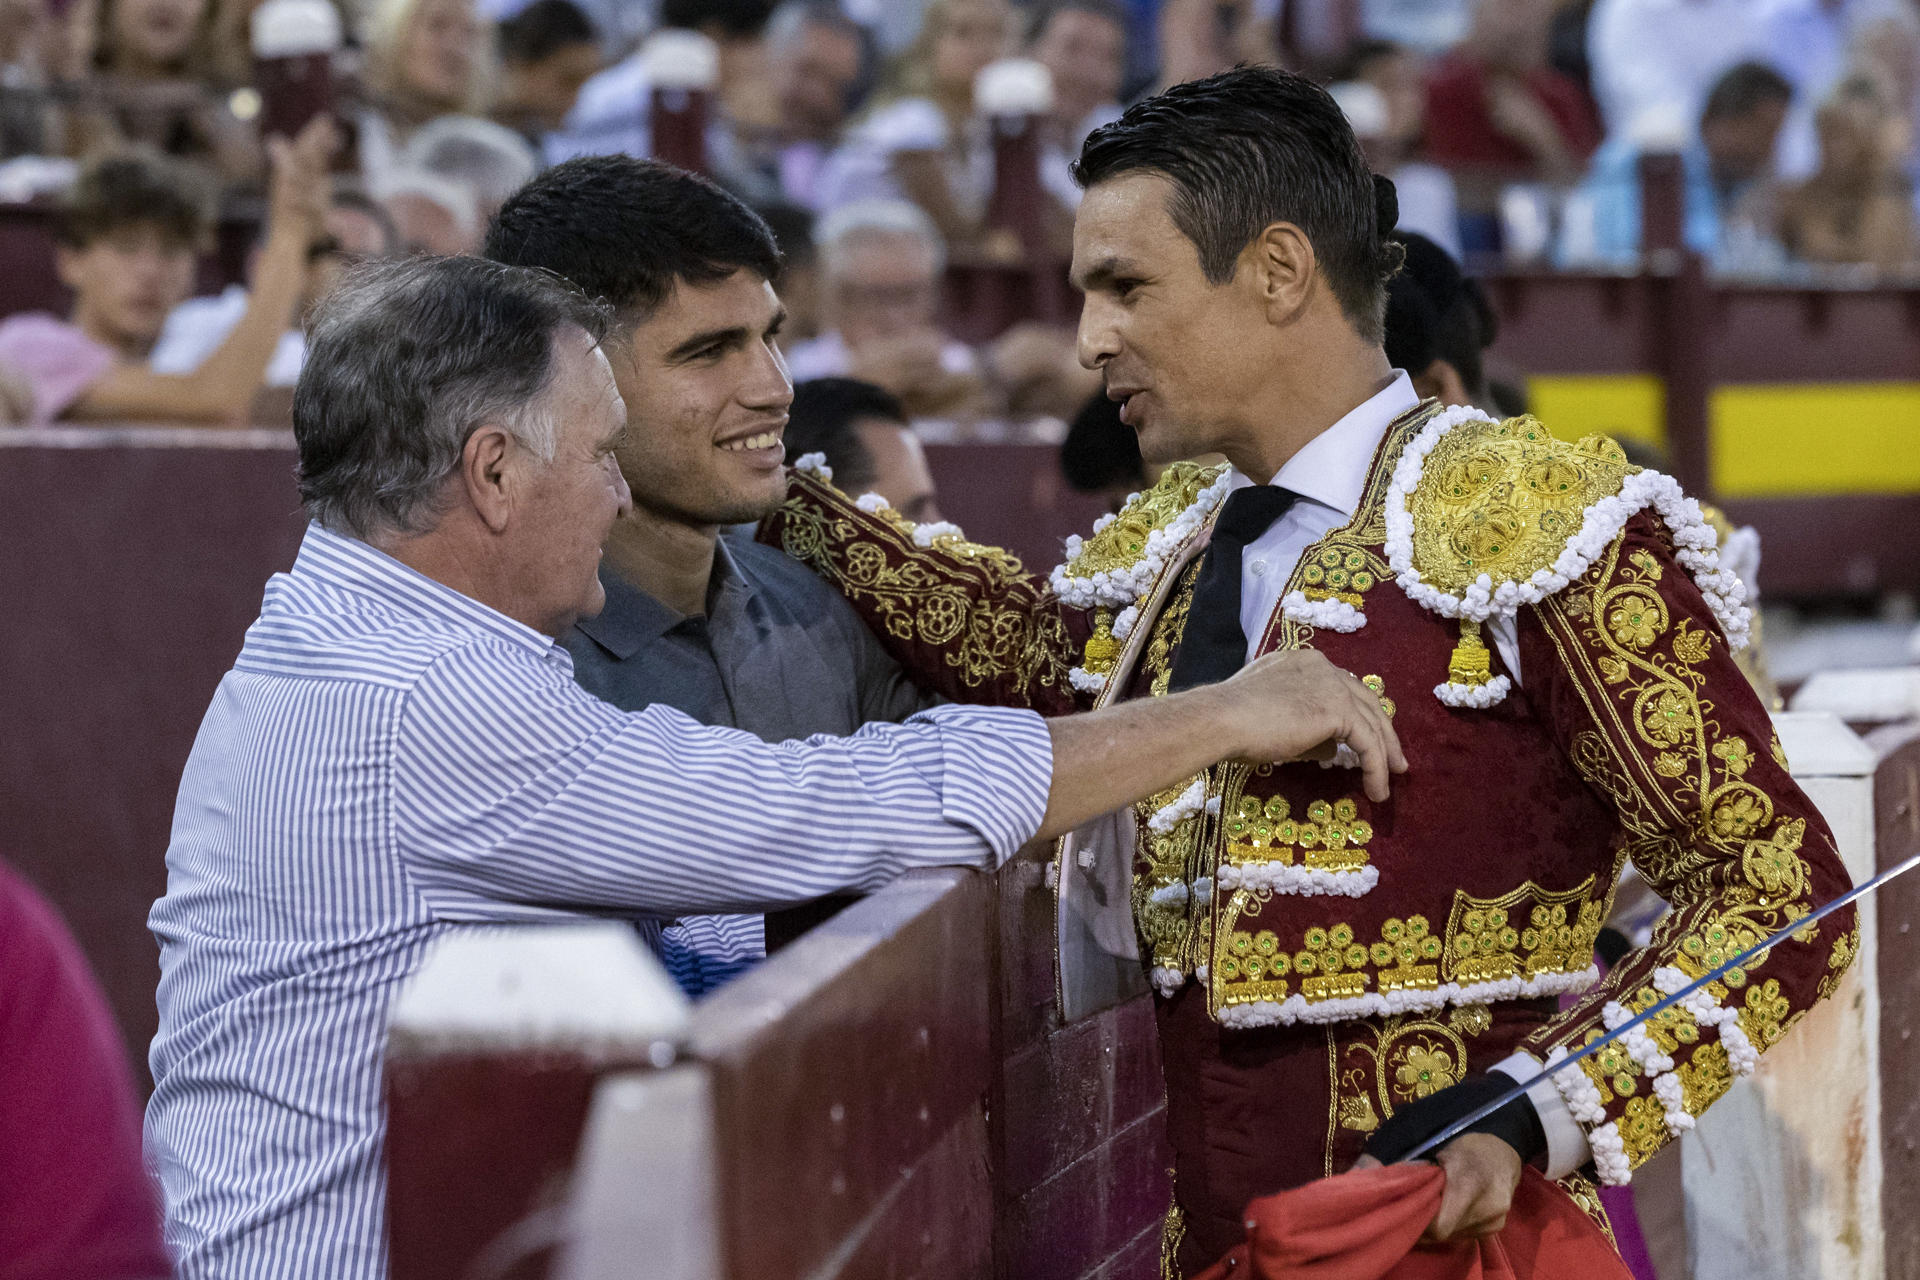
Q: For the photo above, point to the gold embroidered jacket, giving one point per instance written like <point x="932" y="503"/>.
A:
<point x="1293" y="899"/>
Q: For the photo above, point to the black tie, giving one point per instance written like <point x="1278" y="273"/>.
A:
<point x="1213" y="646"/>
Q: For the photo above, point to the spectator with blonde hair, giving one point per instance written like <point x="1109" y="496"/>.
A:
<point x="425" y="59"/>
<point x="152" y="82"/>
<point x="1857" y="208"/>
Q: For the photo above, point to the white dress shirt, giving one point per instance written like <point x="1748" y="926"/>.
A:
<point x="1655" y="60"/>
<point x="1330" y="476"/>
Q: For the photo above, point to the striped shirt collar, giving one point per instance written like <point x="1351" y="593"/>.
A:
<point x="341" y="563"/>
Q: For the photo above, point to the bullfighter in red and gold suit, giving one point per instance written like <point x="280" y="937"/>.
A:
<point x="1548" y="625"/>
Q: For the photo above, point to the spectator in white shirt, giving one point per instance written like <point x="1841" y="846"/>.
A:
<point x="880" y="288"/>
<point x="926" y="143"/>
<point x="1656" y="59"/>
<point x="1083" y="45"/>
<point x="357" y="229"/>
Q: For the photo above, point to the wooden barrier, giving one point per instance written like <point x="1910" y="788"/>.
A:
<point x="887" y="1097"/>
<point x="135" y="559"/>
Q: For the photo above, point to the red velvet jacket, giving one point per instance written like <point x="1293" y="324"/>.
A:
<point x="1293" y="899"/>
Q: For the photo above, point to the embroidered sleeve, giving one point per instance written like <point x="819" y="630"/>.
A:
<point x="965" y="621"/>
<point x="1639" y="686"/>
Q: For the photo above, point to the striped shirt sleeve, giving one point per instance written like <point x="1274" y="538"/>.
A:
<point x="516" y="794"/>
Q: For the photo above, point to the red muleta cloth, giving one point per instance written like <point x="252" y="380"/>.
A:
<point x="1366" y="1225"/>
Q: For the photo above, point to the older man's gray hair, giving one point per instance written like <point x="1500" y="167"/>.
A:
<point x="405" y="360"/>
<point x="877" y="218"/>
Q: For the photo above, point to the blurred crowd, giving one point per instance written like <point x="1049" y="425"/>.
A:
<point x="869" y="134"/>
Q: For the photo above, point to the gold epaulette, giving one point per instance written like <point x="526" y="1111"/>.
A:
<point x="1506" y="500"/>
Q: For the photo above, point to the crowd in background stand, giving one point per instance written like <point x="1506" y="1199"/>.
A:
<point x="1513" y="129"/>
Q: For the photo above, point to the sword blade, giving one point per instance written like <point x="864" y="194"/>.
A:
<point x="1520" y="1089"/>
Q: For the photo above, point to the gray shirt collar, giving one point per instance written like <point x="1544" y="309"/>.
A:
<point x="632" y="618"/>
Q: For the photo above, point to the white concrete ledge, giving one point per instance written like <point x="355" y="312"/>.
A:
<point x="1820" y="745"/>
<point x="592" y="988"/>
<point x="1872" y="695"/>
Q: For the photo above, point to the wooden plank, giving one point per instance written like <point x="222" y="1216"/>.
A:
<point x="1896" y="797"/>
<point x="130" y="578"/>
<point x="839" y="1064"/>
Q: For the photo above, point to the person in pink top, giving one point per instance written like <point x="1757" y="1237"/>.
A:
<point x="75" y="1203"/>
<point x="128" y="243"/>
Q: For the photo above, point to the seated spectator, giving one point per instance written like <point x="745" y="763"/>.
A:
<point x="1657" y="59"/>
<point x="1496" y="110"/>
<point x="817" y="59"/>
<point x="613" y="114"/>
<point x="863" y="432"/>
<point x="432" y="214"/>
<point x="151" y="85"/>
<point x="488" y="159"/>
<point x="1383" y="91"/>
<point x="1806" y="42"/>
<point x="925" y="143"/>
<point x="129" y="239"/>
<point x="1727" y="170"/>
<point x="1439" y="324"/>
<point x="1083" y="45"/>
<point x="881" y="262"/>
<point x="425" y="59"/>
<point x="356" y="230"/>
<point x="77" y="1202"/>
<point x="1857" y="208"/>
<point x="34" y="53"/>
<point x="1201" y="37"/>
<point x="548" y="51"/>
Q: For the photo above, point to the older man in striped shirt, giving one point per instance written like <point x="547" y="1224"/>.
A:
<point x="399" y="752"/>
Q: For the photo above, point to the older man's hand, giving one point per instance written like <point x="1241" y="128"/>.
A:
<point x="1295" y="704"/>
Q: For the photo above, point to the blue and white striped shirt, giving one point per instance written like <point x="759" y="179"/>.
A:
<point x="389" y="760"/>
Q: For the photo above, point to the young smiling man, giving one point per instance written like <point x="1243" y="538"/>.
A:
<point x="726" y="630"/>
<point x="1548" y="625"/>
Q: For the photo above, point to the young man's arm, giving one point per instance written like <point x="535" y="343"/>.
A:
<point x="222" y="389"/>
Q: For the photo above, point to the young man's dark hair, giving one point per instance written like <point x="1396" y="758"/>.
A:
<point x="1435" y="312"/>
<point x="1234" y="173"/>
<point x="135" y="188"/>
<point x="825" y="417"/>
<point x="1742" y="89"/>
<point x="542" y="29"/>
<point x="677" y="226"/>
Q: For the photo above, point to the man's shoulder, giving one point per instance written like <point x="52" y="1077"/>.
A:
<point x="1485" y="516"/>
<point x="1126" y="550"/>
<point x="316" y="631"/>
<point x="1483" y="503"/>
<point x="769" y="569"/>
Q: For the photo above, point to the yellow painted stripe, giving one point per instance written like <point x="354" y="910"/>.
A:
<point x="1815" y="438"/>
<point x="1624" y="406"/>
